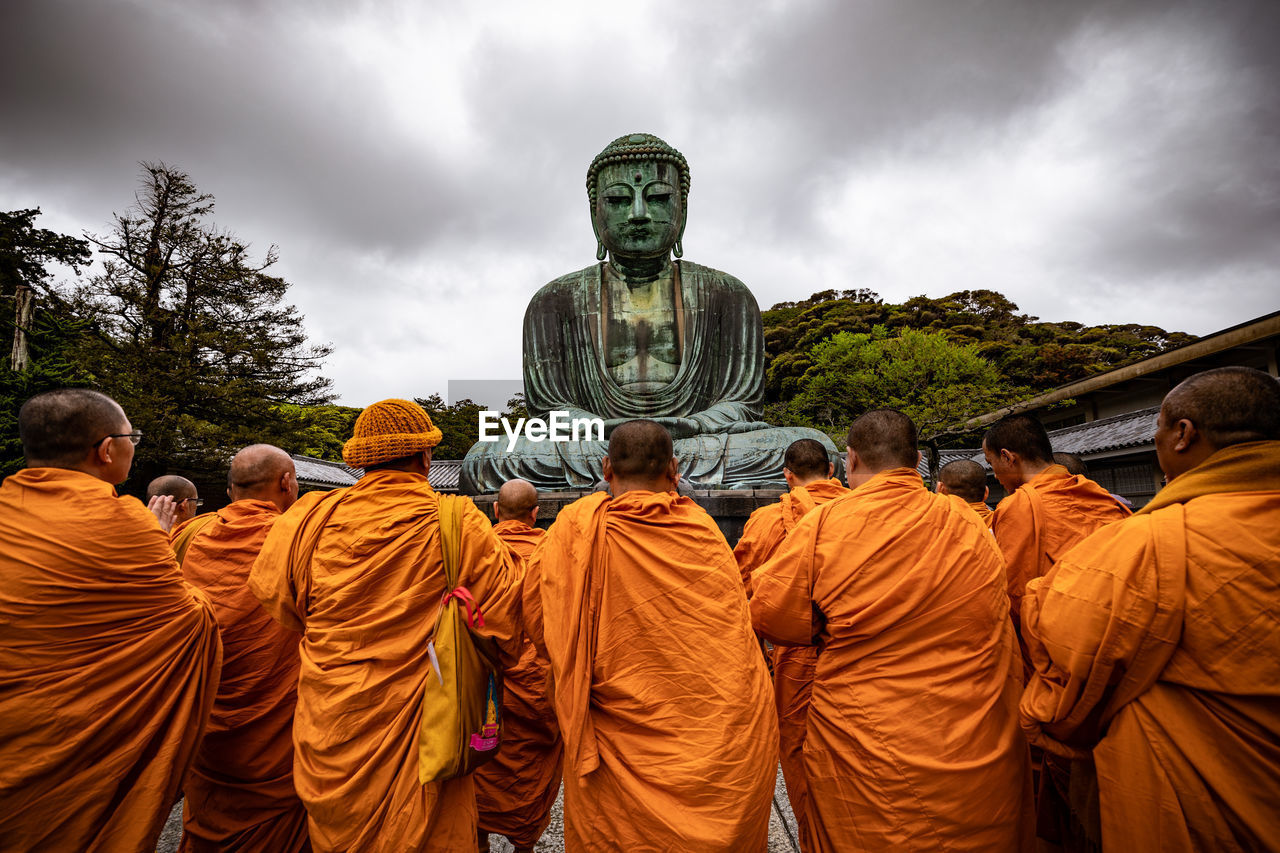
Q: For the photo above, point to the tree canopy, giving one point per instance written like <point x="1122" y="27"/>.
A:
<point x="191" y="334"/>
<point x="26" y="250"/>
<point x="26" y="253"/>
<point x="926" y="375"/>
<point x="460" y="422"/>
<point x="910" y="355"/>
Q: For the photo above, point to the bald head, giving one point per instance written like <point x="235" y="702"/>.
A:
<point x="965" y="479"/>
<point x="1229" y="405"/>
<point x="517" y="501"/>
<point x="263" y="472"/>
<point x="58" y="428"/>
<point x="640" y="449"/>
<point x="1074" y="464"/>
<point x="186" y="500"/>
<point x="884" y="439"/>
<point x="1214" y="410"/>
<point x="641" y="457"/>
<point x="178" y="488"/>
<point x="807" y="460"/>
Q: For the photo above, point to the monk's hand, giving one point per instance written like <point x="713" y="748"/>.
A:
<point x="164" y="508"/>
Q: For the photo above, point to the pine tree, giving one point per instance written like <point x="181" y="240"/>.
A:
<point x="191" y="335"/>
<point x="34" y="321"/>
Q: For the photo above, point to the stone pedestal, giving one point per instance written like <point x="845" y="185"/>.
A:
<point x="730" y="507"/>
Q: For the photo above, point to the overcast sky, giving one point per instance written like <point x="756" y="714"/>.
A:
<point x="420" y="165"/>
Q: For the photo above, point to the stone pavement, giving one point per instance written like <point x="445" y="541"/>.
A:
<point x="782" y="828"/>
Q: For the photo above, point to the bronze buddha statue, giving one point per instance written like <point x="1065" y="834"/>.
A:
<point x="643" y="334"/>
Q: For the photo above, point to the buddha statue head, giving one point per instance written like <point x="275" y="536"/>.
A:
<point x="638" y="187"/>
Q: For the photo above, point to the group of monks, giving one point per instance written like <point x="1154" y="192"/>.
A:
<point x="929" y="674"/>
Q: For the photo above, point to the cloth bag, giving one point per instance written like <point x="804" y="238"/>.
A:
<point x="462" y="703"/>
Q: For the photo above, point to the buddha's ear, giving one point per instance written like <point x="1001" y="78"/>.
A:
<point x="601" y="252"/>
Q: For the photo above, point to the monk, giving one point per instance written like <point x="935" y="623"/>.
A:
<point x="1072" y="462"/>
<point x="173" y="499"/>
<point x="660" y="690"/>
<point x="108" y="659"/>
<point x="912" y="740"/>
<point x="1047" y="510"/>
<point x="1154" y="639"/>
<point x="966" y="479"/>
<point x="517" y="788"/>
<point x="240" y="794"/>
<point x="808" y="473"/>
<point x="1076" y="465"/>
<point x="359" y="572"/>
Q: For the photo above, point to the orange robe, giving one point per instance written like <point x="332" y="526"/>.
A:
<point x="108" y="666"/>
<point x="912" y="740"/>
<point x="793" y="666"/>
<point x="517" y="788"/>
<point x="659" y="686"/>
<point x="1154" y="643"/>
<point x="239" y="795"/>
<point x="366" y="603"/>
<point x="984" y="512"/>
<point x="1040" y="522"/>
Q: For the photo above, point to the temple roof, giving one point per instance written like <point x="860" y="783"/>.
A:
<point x="321" y="473"/>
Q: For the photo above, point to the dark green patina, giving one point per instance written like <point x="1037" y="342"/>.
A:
<point x="643" y="335"/>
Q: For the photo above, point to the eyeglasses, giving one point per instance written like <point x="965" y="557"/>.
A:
<point x="134" y="437"/>
<point x="198" y="501"/>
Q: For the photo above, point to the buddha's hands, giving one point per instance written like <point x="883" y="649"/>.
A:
<point x="680" y="427"/>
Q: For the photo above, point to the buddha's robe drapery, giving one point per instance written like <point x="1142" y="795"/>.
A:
<point x="517" y="788"/>
<point x="1041" y="521"/>
<point x="912" y="740"/>
<point x="366" y="601"/>
<point x="719" y="385"/>
<point x="239" y="794"/>
<point x="1154" y="645"/>
<point x="108" y="666"/>
<point x="793" y="666"/>
<point x="659" y="686"/>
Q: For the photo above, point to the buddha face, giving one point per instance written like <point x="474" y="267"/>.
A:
<point x="638" y="211"/>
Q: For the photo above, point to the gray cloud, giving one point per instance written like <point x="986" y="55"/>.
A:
<point x="421" y="165"/>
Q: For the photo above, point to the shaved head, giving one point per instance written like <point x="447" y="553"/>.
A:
<point x="807" y="459"/>
<point x="1020" y="434"/>
<point x="1228" y="405"/>
<point x="58" y="428"/>
<point x="1074" y="464"/>
<point x="517" y="499"/>
<point x="186" y="499"/>
<point x="178" y="488"/>
<point x="256" y="471"/>
<point x="640" y="450"/>
<point x="965" y="479"/>
<point x="884" y="439"/>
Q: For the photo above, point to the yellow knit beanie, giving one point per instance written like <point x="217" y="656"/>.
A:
<point x="388" y="430"/>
